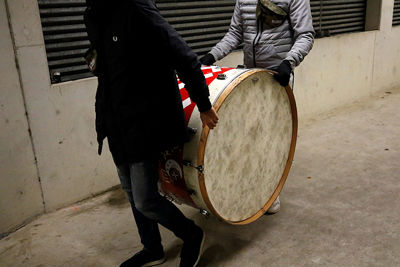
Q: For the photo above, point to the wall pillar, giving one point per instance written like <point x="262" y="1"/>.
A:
<point x="20" y="191"/>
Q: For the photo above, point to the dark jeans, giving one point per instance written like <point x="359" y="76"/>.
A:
<point x="139" y="180"/>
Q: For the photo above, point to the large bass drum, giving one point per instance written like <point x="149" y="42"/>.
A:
<point x="237" y="170"/>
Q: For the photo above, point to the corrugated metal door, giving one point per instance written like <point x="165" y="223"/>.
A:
<point x="65" y="38"/>
<point x="332" y="17"/>
<point x="396" y="13"/>
<point x="201" y="23"/>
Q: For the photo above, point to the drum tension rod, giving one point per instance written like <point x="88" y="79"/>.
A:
<point x="189" y="164"/>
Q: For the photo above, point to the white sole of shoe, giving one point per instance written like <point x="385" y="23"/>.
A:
<point x="154" y="263"/>
<point x="201" y="249"/>
<point x="272" y="213"/>
<point x="275" y="207"/>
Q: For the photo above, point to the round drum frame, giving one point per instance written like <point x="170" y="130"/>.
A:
<point x="203" y="143"/>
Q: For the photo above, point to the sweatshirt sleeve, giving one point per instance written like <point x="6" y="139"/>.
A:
<point x="182" y="57"/>
<point x="303" y="31"/>
<point x="232" y="39"/>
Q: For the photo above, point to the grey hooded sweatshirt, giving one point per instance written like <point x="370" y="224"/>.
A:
<point x="291" y="41"/>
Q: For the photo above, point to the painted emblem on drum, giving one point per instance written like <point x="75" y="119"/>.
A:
<point x="210" y="73"/>
<point x="173" y="169"/>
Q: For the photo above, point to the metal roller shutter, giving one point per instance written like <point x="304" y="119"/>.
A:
<point x="201" y="23"/>
<point x="396" y="13"/>
<point x="332" y="17"/>
<point x="65" y="38"/>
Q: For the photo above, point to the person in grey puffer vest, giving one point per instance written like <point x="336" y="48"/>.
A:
<point x="276" y="34"/>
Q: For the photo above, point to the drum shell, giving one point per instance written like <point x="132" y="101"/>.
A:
<point x="194" y="151"/>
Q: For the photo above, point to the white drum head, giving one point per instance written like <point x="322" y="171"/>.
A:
<point x="248" y="155"/>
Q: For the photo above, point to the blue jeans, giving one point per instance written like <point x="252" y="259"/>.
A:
<point x="139" y="181"/>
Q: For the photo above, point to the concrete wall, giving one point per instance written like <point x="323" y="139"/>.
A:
<point x="338" y="71"/>
<point x="20" y="193"/>
<point x="61" y="120"/>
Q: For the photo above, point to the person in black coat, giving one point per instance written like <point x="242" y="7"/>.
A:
<point x="139" y="110"/>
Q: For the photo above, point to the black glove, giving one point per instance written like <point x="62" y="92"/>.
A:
<point x="208" y="59"/>
<point x="283" y="75"/>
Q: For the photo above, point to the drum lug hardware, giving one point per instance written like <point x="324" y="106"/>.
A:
<point x="221" y="76"/>
<point x="204" y="213"/>
<point x="191" y="192"/>
<point x="255" y="79"/>
<point x="189" y="164"/>
<point x="192" y="131"/>
<point x="168" y="197"/>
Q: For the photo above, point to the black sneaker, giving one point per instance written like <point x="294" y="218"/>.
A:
<point x="144" y="258"/>
<point x="191" y="250"/>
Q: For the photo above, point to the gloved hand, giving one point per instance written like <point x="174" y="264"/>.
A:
<point x="283" y="75"/>
<point x="208" y="59"/>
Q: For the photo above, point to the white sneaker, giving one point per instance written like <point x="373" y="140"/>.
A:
<point x="275" y="207"/>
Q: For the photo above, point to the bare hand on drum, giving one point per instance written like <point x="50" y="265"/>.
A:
<point x="209" y="118"/>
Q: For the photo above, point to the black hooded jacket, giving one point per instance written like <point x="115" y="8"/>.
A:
<point x="138" y="104"/>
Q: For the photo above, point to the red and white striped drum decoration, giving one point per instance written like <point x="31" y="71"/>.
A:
<point x="235" y="171"/>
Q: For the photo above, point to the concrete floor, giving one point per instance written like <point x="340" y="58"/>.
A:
<point x="340" y="206"/>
